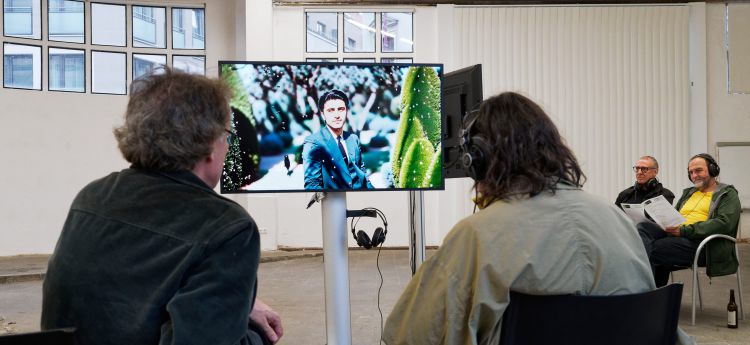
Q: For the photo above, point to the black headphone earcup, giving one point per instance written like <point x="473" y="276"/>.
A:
<point x="476" y="157"/>
<point x="713" y="169"/>
<point x="651" y="183"/>
<point x="378" y="237"/>
<point x="363" y="240"/>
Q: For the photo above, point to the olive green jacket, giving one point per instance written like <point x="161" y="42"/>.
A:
<point x="723" y="218"/>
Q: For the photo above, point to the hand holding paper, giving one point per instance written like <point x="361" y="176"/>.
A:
<point x="662" y="212"/>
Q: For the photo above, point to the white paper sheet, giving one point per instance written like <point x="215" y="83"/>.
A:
<point x="635" y="212"/>
<point x="662" y="212"/>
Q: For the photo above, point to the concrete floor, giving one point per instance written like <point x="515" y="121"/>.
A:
<point x="295" y="289"/>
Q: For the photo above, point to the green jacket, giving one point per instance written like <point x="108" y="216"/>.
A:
<point x="723" y="218"/>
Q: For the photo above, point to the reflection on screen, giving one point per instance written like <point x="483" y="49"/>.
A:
<point x="333" y="127"/>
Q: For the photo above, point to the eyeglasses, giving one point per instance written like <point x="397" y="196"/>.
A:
<point x="230" y="136"/>
<point x="643" y="169"/>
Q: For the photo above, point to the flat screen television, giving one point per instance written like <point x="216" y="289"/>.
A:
<point x="323" y="126"/>
<point x="462" y="93"/>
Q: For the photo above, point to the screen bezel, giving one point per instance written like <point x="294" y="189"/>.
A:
<point x="441" y="70"/>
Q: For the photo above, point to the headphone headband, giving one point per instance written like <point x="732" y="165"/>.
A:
<point x="378" y="237"/>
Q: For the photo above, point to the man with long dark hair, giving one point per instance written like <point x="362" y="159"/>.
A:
<point x="537" y="232"/>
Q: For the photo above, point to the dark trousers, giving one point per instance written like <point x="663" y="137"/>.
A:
<point x="667" y="253"/>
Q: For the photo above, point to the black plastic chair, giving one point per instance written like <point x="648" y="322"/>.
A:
<point x="62" y="336"/>
<point x="643" y="318"/>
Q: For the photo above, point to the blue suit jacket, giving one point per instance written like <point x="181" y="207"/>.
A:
<point x="325" y="167"/>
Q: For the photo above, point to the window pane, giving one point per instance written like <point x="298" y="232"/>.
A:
<point x="108" y="72"/>
<point x="188" y="28"/>
<point x="322" y="60"/>
<point x="322" y="32"/>
<point x="190" y="64"/>
<point x="144" y="64"/>
<point x="66" y="70"/>
<point x="359" y="32"/>
<point x="22" y="18"/>
<point x="359" y="60"/>
<point x="396" y="60"/>
<point x="397" y="32"/>
<point x="65" y="21"/>
<point x="22" y="66"/>
<point x="108" y="24"/>
<point x="149" y="27"/>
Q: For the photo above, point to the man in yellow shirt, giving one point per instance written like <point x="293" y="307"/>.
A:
<point x="709" y="207"/>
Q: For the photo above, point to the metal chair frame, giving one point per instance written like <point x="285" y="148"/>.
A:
<point x="695" y="275"/>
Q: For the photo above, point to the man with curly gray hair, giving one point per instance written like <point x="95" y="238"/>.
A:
<point x="152" y="254"/>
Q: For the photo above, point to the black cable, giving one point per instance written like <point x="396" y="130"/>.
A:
<point x="413" y="256"/>
<point x="377" y="264"/>
<point x="476" y="195"/>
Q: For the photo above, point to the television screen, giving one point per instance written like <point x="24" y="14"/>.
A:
<point x="462" y="93"/>
<point x="333" y="127"/>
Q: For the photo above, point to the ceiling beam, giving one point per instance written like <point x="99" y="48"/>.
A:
<point x="468" y="2"/>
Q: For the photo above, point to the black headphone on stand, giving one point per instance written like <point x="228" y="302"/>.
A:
<point x="713" y="167"/>
<point x="474" y="149"/>
<point x="378" y="237"/>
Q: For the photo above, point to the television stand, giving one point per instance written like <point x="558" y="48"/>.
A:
<point x="336" y="267"/>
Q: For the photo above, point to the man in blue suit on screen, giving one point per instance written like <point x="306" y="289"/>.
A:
<point x="332" y="157"/>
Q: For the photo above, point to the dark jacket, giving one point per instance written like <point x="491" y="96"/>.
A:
<point x="633" y="195"/>
<point x="723" y="218"/>
<point x="325" y="168"/>
<point x="153" y="258"/>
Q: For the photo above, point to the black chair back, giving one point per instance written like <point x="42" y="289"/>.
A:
<point x="643" y="318"/>
<point x="62" y="336"/>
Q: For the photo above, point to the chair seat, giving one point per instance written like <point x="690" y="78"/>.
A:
<point x="643" y="318"/>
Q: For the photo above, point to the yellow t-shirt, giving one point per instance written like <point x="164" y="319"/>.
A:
<point x="696" y="207"/>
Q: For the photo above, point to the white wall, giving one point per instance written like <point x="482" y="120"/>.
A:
<point x="728" y="114"/>
<point x="54" y="143"/>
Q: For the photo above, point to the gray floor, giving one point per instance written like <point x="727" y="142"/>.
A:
<point x="295" y="289"/>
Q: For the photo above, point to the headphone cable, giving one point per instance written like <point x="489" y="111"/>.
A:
<point x="377" y="264"/>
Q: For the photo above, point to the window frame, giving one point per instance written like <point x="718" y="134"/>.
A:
<point x="41" y="29"/>
<point x="49" y="39"/>
<point x="132" y="27"/>
<point x="49" y="67"/>
<point x="381" y="34"/>
<point x="182" y="20"/>
<point x="125" y="22"/>
<point x="132" y="63"/>
<point x="374" y="34"/>
<point x="340" y="54"/>
<point x="338" y="32"/>
<point x="190" y="55"/>
<point x="125" y="72"/>
<point x="41" y="67"/>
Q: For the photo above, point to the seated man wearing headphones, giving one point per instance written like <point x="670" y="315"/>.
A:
<point x="709" y="207"/>
<point x="646" y="185"/>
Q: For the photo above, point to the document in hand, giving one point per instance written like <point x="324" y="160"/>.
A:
<point x="635" y="212"/>
<point x="658" y="208"/>
<point x="662" y="212"/>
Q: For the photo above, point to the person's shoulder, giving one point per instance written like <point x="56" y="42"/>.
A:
<point x="625" y="192"/>
<point x="725" y="188"/>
